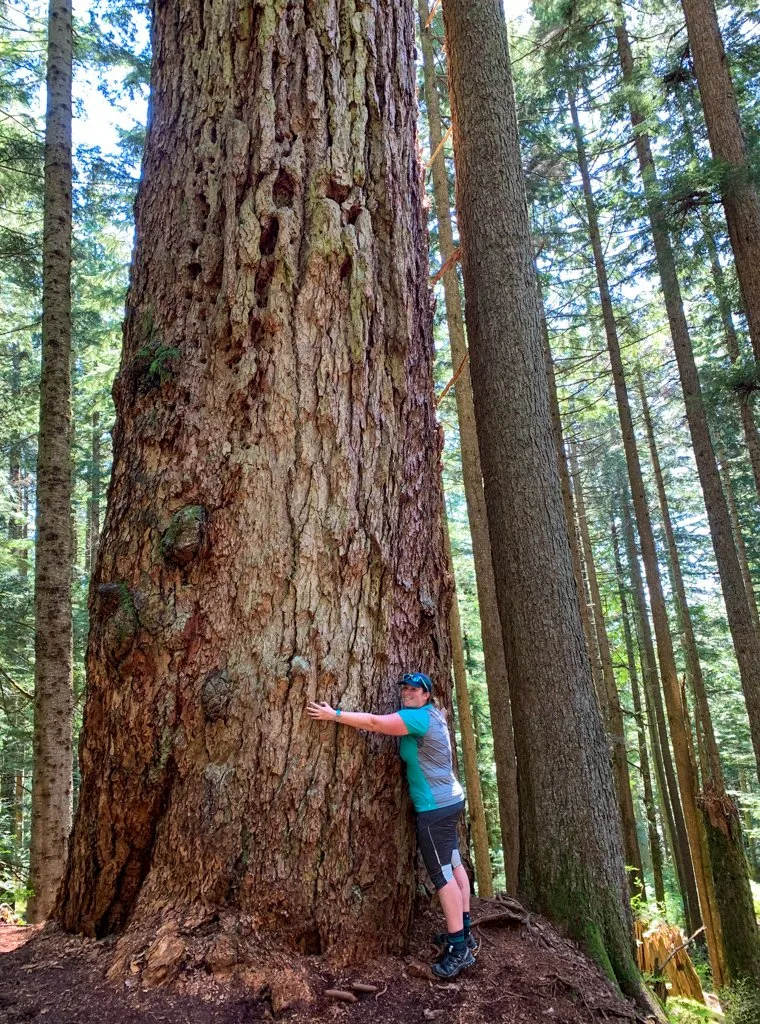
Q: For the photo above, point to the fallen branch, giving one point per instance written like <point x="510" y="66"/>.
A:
<point x="438" y="149"/>
<point x="453" y="380"/>
<point x="453" y="258"/>
<point x="682" y="946"/>
<point x="338" y="993"/>
<point x="432" y="14"/>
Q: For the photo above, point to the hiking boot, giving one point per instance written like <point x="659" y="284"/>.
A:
<point x="473" y="943"/>
<point x="452" y="962"/>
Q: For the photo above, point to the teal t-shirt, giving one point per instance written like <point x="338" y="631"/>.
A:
<point x="426" y="752"/>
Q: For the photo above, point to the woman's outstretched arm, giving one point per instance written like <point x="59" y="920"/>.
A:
<point x="388" y="725"/>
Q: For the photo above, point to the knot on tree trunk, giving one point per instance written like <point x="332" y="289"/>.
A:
<point x="216" y="695"/>
<point x="184" y="537"/>
<point x="118" y="618"/>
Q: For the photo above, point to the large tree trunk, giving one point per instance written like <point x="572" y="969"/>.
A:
<point x="655" y="846"/>
<point x="571" y="858"/>
<point x="53" y="681"/>
<point x="611" y="700"/>
<point x="472" y="477"/>
<point x="738" y="191"/>
<point x="273" y="531"/>
<point x="476" y="812"/>
<point x="745" y="638"/>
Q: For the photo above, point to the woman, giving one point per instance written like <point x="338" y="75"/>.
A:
<point x="438" y="800"/>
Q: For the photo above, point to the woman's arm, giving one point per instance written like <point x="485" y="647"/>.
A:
<point x="388" y="725"/>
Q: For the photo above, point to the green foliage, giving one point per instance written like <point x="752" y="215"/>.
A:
<point x="687" y="1011"/>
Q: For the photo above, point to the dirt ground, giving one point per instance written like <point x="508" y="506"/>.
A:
<point x="525" y="974"/>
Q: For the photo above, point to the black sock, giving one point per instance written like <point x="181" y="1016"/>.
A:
<point x="457" y="940"/>
<point x="466" y="922"/>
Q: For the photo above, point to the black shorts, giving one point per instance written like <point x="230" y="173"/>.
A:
<point x="437" y="836"/>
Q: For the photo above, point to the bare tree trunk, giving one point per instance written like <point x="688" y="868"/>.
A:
<point x="691" y="655"/>
<point x="475" y="809"/>
<point x="472" y="477"/>
<point x="666" y="778"/>
<point x="571" y="856"/>
<point x="93" y="505"/>
<point x="738" y="191"/>
<point x="567" y="500"/>
<point x="741" y="548"/>
<point x="655" y="847"/>
<point x="611" y="706"/>
<point x="53" y="681"/>
<point x="746" y="639"/>
<point x="751" y="435"/>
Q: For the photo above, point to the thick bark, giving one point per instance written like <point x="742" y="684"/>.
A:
<point x="571" y="857"/>
<point x="476" y="813"/>
<point x="655" y="846"/>
<point x="278" y="335"/>
<point x="741" y="201"/>
<point x="472" y="478"/>
<point x="53" y="681"/>
<point x="611" y="706"/>
<point x="666" y="777"/>
<point x="745" y="638"/>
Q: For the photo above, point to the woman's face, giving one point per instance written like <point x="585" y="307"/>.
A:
<point x="413" y="697"/>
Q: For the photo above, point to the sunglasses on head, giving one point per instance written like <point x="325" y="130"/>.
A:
<point x="416" y="679"/>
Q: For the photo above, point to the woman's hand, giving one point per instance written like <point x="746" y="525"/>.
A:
<point x="322" y="712"/>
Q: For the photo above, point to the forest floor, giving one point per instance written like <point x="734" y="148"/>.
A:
<point x="525" y="974"/>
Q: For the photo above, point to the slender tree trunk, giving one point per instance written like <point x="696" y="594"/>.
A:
<point x="738" y="191"/>
<point x="691" y="655"/>
<point x="53" y="681"/>
<point x="567" y="497"/>
<point x="666" y="777"/>
<point x="745" y="638"/>
<point x="751" y="434"/>
<point x="93" y="510"/>
<point x="571" y="856"/>
<point x="655" y="847"/>
<point x="741" y="548"/>
<point x="613" y="714"/>
<point x="668" y="672"/>
<point x="278" y="334"/>
<point x="475" y="809"/>
<point x="472" y="477"/>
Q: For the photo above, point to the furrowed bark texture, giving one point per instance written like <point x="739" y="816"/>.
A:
<point x="53" y="637"/>
<point x="741" y="201"/>
<point x="497" y="682"/>
<point x="571" y="858"/>
<point x="273" y="532"/>
<point x="745" y="638"/>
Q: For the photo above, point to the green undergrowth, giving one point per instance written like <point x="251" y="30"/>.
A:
<point x="687" y="1011"/>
